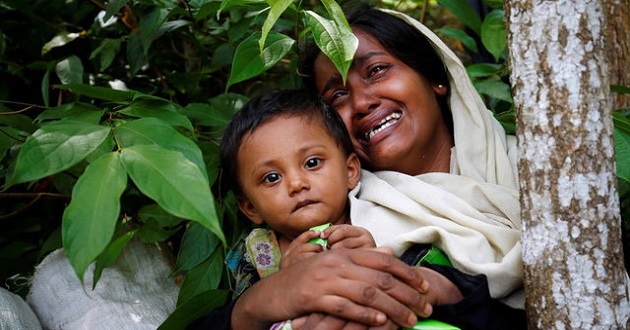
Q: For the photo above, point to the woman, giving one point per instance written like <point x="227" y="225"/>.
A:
<point x="444" y="170"/>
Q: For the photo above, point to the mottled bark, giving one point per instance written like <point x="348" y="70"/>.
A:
<point x="572" y="251"/>
<point x="618" y="47"/>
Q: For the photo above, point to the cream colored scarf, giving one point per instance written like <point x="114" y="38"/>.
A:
<point x="471" y="213"/>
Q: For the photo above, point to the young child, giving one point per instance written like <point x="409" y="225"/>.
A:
<point x="291" y="163"/>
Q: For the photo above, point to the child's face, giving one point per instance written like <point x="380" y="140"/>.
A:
<point x="294" y="176"/>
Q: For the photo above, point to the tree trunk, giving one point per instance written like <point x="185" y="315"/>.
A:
<point x="572" y="250"/>
<point x="618" y="47"/>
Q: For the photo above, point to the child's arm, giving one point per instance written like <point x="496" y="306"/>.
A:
<point x="348" y="236"/>
<point x="300" y="249"/>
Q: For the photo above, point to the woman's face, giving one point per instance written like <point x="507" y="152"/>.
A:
<point x="390" y="110"/>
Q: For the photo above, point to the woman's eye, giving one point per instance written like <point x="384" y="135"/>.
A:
<point x="271" y="178"/>
<point x="375" y="70"/>
<point x="313" y="162"/>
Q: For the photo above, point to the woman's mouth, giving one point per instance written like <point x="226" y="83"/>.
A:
<point x="383" y="124"/>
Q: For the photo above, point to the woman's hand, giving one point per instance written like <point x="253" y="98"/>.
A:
<point x="360" y="285"/>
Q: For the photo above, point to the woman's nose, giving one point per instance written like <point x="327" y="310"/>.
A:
<point x="363" y="100"/>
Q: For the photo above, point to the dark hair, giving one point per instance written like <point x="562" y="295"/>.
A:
<point x="262" y="109"/>
<point x="398" y="37"/>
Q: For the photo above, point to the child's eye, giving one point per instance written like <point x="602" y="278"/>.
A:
<point x="313" y="162"/>
<point x="271" y="177"/>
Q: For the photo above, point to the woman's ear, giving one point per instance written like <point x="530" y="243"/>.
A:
<point x="246" y="206"/>
<point x="440" y="89"/>
<point x="354" y="170"/>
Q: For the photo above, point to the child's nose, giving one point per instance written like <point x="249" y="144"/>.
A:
<point x="298" y="182"/>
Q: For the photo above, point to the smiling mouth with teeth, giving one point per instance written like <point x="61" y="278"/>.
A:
<point x="383" y="124"/>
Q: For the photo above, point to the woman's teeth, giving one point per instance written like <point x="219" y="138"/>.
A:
<point x="383" y="124"/>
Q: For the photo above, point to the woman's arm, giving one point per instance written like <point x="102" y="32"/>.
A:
<point x="362" y="285"/>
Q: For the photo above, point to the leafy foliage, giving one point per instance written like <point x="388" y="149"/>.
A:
<point x="111" y="115"/>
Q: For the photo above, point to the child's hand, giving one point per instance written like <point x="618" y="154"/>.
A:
<point x="348" y="236"/>
<point x="300" y="249"/>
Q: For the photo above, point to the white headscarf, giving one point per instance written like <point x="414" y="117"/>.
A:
<point x="471" y="213"/>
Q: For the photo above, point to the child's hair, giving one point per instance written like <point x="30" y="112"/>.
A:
<point x="262" y="109"/>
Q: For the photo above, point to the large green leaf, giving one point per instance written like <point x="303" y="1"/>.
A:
<point x="465" y="12"/>
<point x="90" y="219"/>
<point x="196" y="246"/>
<point x="195" y="308"/>
<point x="203" y="278"/>
<point x="177" y="184"/>
<point x="56" y="147"/>
<point x="276" y="10"/>
<point x="335" y="40"/>
<point x="147" y="131"/>
<point x="249" y="61"/>
<point x="493" y="33"/>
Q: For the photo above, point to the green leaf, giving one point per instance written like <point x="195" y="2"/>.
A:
<point x="196" y="246"/>
<point x="145" y="108"/>
<point x="90" y="219"/>
<point x="70" y="70"/>
<point x="508" y="121"/>
<point x="101" y="93"/>
<point x="174" y="182"/>
<point x="113" y="7"/>
<point x="150" y="26"/>
<point x="482" y="70"/>
<point x="46" y="88"/>
<point x="56" y="147"/>
<point x="195" y="308"/>
<point x="152" y="131"/>
<point x="159" y="225"/>
<point x="216" y="113"/>
<point x="203" y="278"/>
<point x="276" y="10"/>
<point x="106" y="52"/>
<point x="82" y="112"/>
<point x="59" y="40"/>
<point x="621" y="135"/>
<point x="465" y="12"/>
<point x="620" y="89"/>
<point x="111" y="253"/>
<point x="494" y="88"/>
<point x="336" y="41"/>
<point x="136" y="56"/>
<point x="250" y="62"/>
<point x="493" y="33"/>
<point x="461" y="35"/>
<point x="229" y="4"/>
<point x="495" y="4"/>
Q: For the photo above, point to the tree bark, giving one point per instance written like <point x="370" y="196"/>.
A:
<point x="572" y="251"/>
<point x="618" y="47"/>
